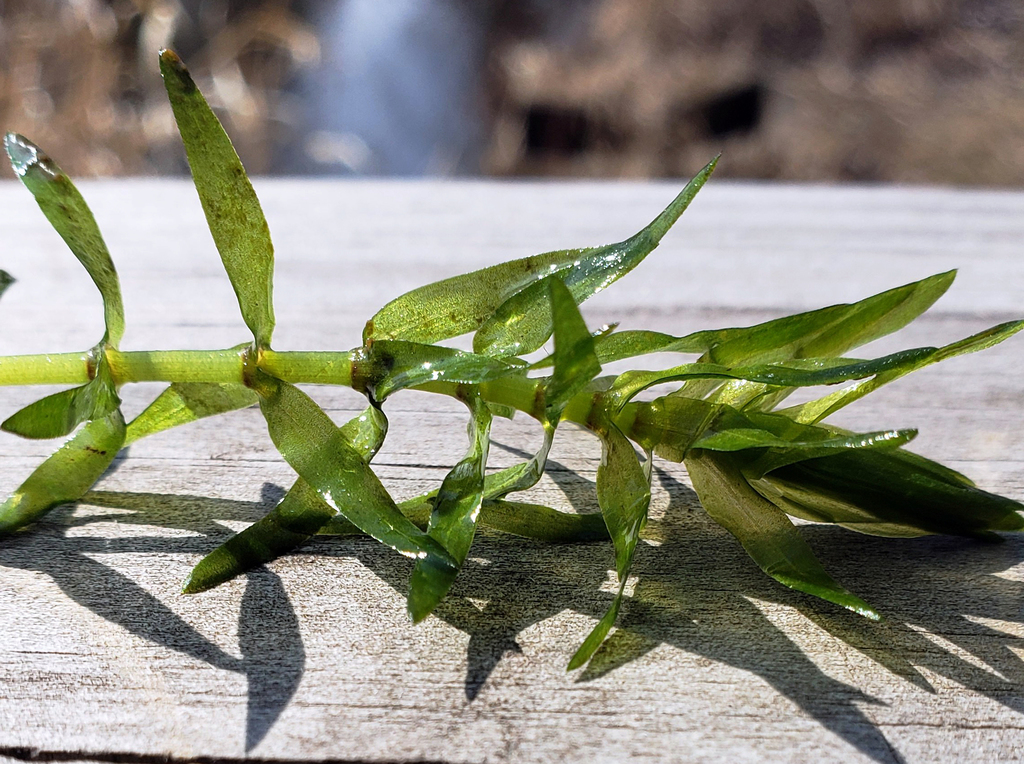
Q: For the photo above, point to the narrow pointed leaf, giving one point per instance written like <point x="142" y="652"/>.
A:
<point x="523" y="321"/>
<point x="575" y="362"/>
<point x="319" y="452"/>
<point x="453" y="521"/>
<point x="6" y="280"/>
<point x="67" y="474"/>
<point x="785" y="451"/>
<point x="300" y="515"/>
<point x="820" y="408"/>
<point x="68" y="213"/>
<point x="624" y="495"/>
<point x="630" y="383"/>
<point x="768" y="536"/>
<point x="185" y="402"/>
<point x="233" y="212"/>
<point x="53" y="416"/>
<point x="824" y="332"/>
<point x="861" y="488"/>
<point x="461" y="304"/>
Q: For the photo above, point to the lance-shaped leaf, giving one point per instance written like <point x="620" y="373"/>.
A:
<point x="393" y="365"/>
<point x="75" y="467"/>
<point x="233" y="212"/>
<point x="624" y="495"/>
<point x="68" y="213"/>
<point x="523" y="322"/>
<point x="816" y="410"/>
<point x="463" y="303"/>
<point x="185" y="402"/>
<point x="57" y="415"/>
<point x="322" y="456"/>
<point x="890" y="493"/>
<point x="301" y="514"/>
<point x="575" y="362"/>
<point x="456" y="510"/>
<point x="768" y="536"/>
<point x="823" y="332"/>
<point x="795" y="374"/>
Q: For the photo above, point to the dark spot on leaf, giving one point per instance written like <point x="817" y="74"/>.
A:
<point x="95" y="451"/>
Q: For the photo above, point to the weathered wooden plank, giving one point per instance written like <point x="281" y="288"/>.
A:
<point x="313" y="658"/>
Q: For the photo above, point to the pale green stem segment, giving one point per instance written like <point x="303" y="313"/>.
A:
<point x="456" y="511"/>
<point x="233" y="212"/>
<point x="769" y="537"/>
<point x="68" y="213"/>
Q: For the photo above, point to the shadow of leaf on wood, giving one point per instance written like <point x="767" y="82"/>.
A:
<point x="273" y="656"/>
<point x="696" y="590"/>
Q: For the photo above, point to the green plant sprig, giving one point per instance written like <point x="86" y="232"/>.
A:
<point x="753" y="465"/>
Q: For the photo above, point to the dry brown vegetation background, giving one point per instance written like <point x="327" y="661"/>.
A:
<point x="905" y="90"/>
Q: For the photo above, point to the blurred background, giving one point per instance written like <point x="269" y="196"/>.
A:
<point x="916" y="91"/>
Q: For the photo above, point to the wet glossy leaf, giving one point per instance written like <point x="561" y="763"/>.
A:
<point x="301" y="514"/>
<point x="185" y="402"/>
<point x="463" y="303"/>
<point x="887" y="493"/>
<point x="816" y="410"/>
<point x="68" y="213"/>
<point x="67" y="474"/>
<point x="233" y="212"/>
<point x="769" y="537"/>
<point x="319" y="452"/>
<point x="575" y="362"/>
<point x="624" y="494"/>
<point x="824" y="332"/>
<point x="396" y="365"/>
<point x="630" y="383"/>
<point x="523" y="322"/>
<point x="456" y="510"/>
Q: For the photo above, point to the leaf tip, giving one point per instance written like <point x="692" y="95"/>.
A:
<point x="171" y="64"/>
<point x="22" y="153"/>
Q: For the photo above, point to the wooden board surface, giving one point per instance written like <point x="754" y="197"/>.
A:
<point x="313" y="658"/>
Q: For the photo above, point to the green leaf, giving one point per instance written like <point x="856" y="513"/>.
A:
<point x="824" y="332"/>
<point x="888" y="492"/>
<point x="185" y="402"/>
<point x="768" y="536"/>
<point x="456" y="510"/>
<point x="523" y="321"/>
<point x="322" y="456"/>
<point x="463" y="303"/>
<point x="818" y="409"/>
<point x="825" y="372"/>
<point x="233" y="212"/>
<point x="68" y="213"/>
<point x="6" y="280"/>
<point x="624" y="495"/>
<point x="575" y="362"/>
<point x="394" y="365"/>
<point x="541" y="523"/>
<point x="73" y="469"/>
<point x="299" y="515"/>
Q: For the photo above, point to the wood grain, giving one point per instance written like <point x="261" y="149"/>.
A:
<point x="313" y="658"/>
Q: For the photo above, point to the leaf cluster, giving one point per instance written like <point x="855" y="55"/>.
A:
<point x="754" y="463"/>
